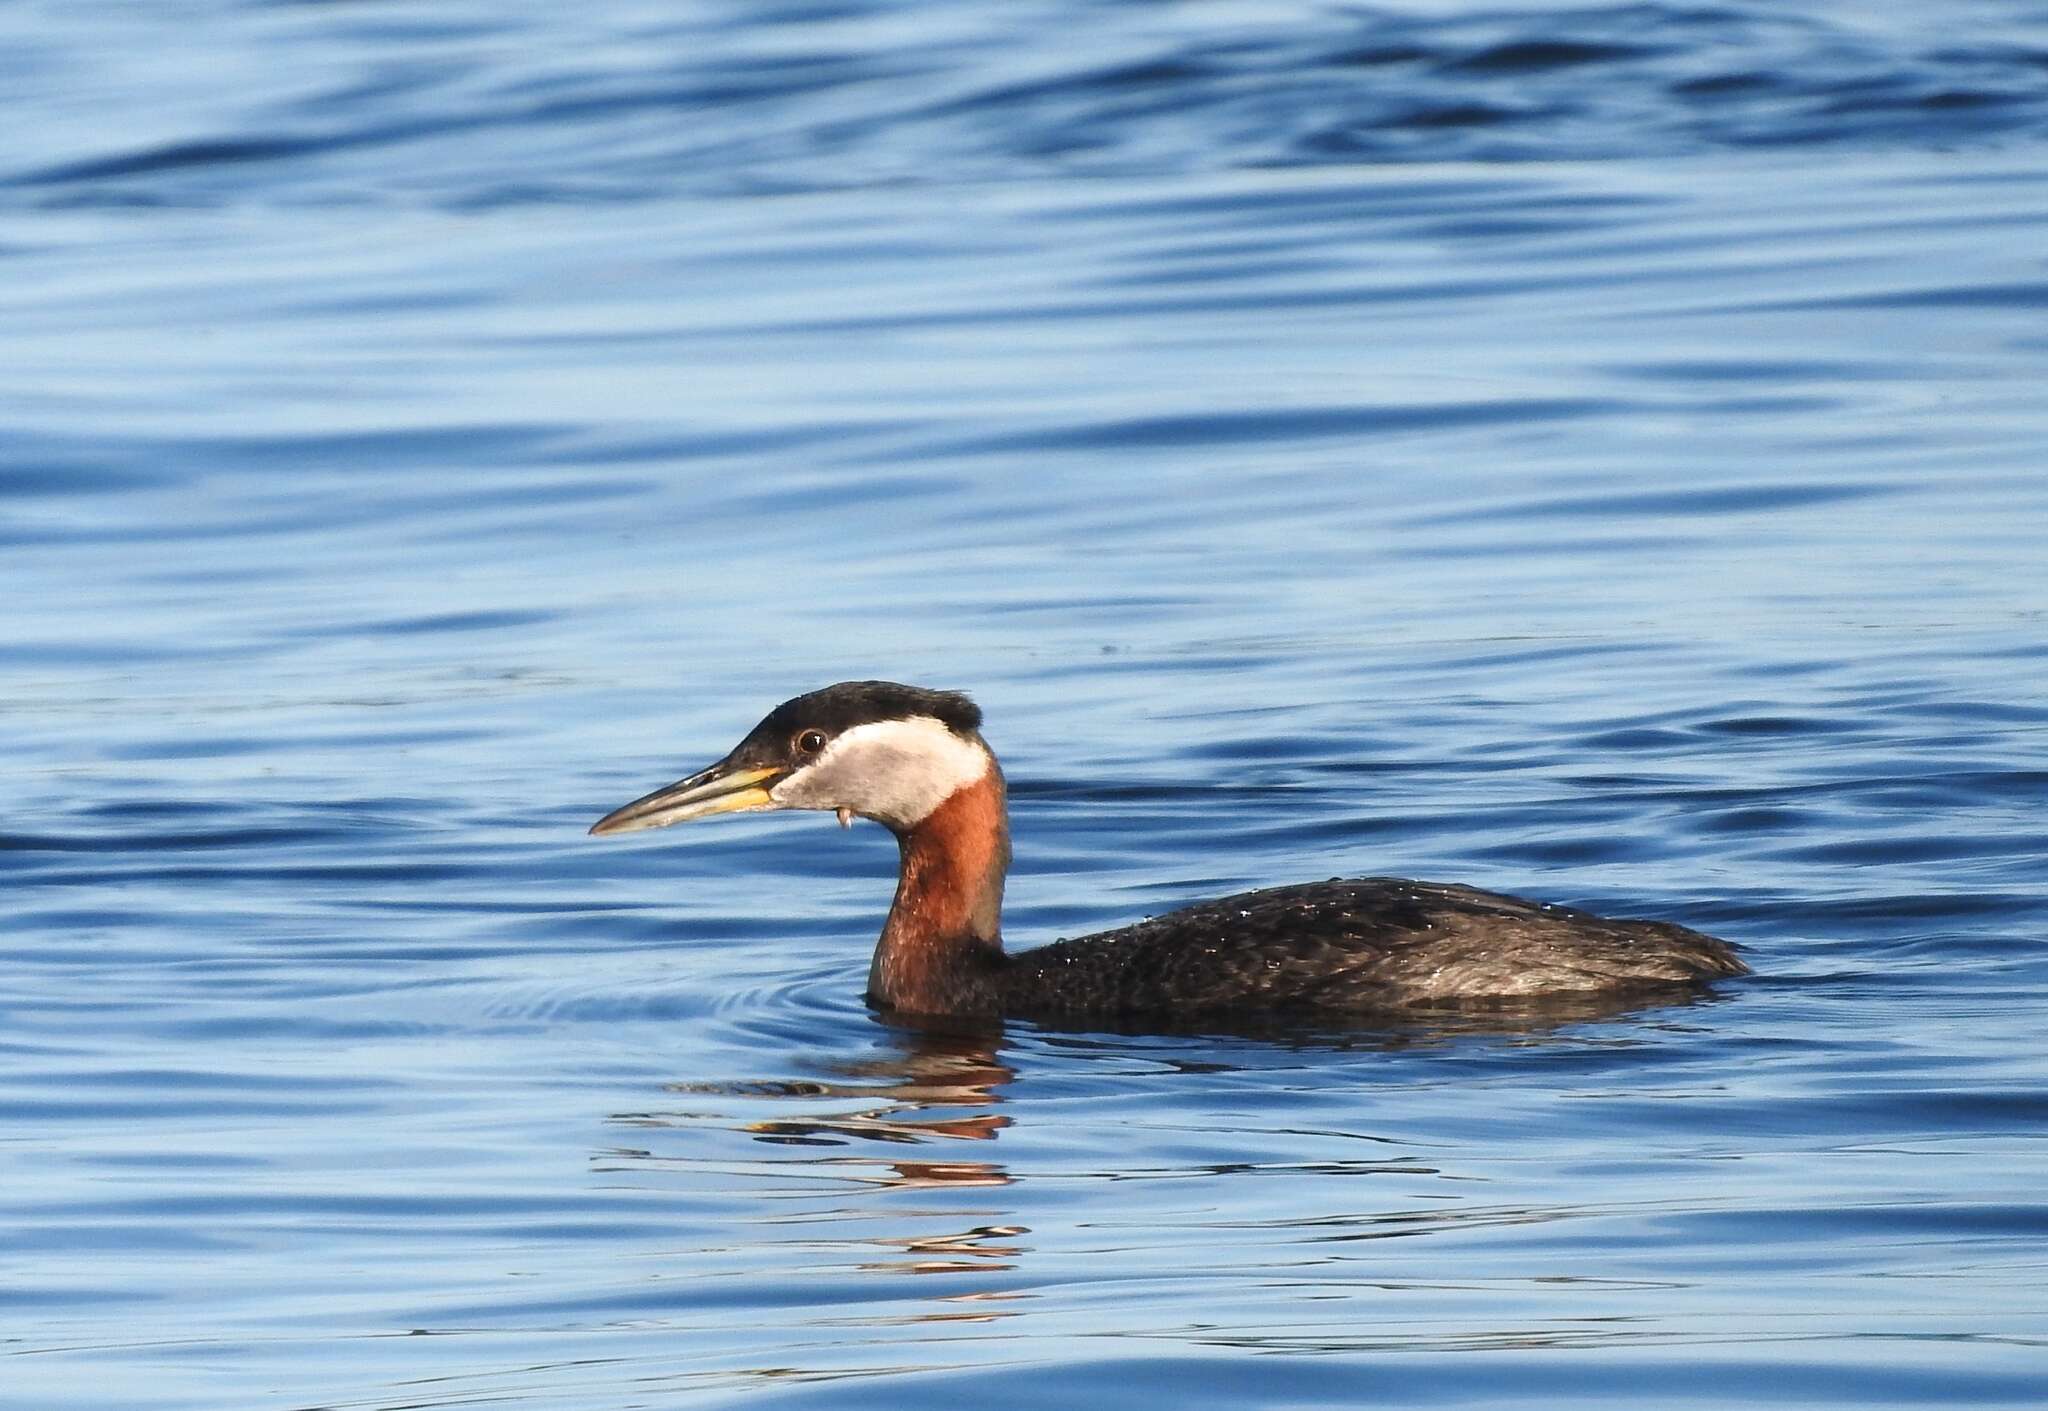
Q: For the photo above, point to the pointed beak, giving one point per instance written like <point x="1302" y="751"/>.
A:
<point x="723" y="788"/>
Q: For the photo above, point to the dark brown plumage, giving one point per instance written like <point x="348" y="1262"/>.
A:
<point x="1355" y="944"/>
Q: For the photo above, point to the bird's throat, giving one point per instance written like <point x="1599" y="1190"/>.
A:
<point x="943" y="940"/>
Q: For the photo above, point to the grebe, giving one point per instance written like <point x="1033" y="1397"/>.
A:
<point x="914" y="761"/>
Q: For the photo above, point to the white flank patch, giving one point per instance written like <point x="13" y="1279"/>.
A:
<point x="894" y="771"/>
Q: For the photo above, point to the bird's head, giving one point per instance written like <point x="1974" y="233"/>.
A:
<point x="872" y="749"/>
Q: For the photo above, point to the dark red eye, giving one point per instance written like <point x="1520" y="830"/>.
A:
<point x="810" y="741"/>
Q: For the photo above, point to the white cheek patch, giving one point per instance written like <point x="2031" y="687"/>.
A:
<point x="895" y="771"/>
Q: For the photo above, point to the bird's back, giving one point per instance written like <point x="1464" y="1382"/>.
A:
<point x="1352" y="945"/>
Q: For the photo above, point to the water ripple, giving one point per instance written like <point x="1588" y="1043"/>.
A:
<point x="1592" y="452"/>
<point x="549" y="114"/>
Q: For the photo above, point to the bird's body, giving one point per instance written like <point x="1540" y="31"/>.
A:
<point x="915" y="761"/>
<point x="1352" y="945"/>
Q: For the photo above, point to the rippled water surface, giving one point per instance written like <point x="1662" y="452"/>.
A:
<point x="1593" y="452"/>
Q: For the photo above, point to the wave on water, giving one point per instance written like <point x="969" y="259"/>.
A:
<point x="473" y="106"/>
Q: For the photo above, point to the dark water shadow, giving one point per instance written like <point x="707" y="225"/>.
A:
<point x="1520" y="1018"/>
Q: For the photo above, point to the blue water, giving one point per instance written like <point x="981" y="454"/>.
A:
<point x="1590" y="452"/>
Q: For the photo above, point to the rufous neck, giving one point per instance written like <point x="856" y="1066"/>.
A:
<point x="943" y="938"/>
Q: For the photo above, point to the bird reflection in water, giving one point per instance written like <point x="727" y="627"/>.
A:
<point x="925" y="1088"/>
<point x="816" y="1144"/>
<point x="914" y="1094"/>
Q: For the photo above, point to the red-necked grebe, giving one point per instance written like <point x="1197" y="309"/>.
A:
<point x="914" y="761"/>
